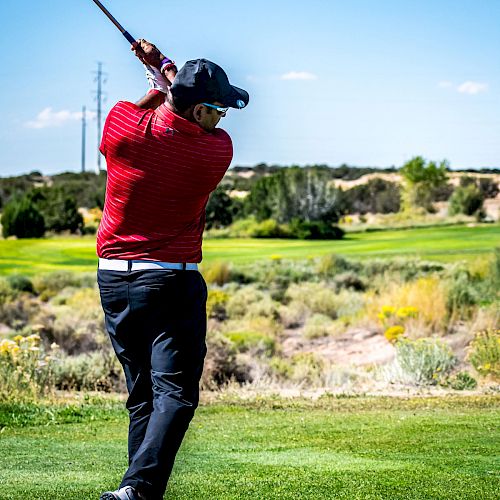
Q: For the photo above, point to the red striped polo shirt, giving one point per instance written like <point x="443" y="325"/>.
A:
<point x="161" y="171"/>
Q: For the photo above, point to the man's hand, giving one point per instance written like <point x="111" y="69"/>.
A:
<point x="148" y="53"/>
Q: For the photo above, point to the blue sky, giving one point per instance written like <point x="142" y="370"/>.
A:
<point x="359" y="82"/>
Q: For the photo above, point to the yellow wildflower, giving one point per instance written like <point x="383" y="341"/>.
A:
<point x="18" y="338"/>
<point x="388" y="311"/>
<point x="407" y="312"/>
<point x="394" y="332"/>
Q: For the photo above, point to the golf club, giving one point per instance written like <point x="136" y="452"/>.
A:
<point x="124" y="32"/>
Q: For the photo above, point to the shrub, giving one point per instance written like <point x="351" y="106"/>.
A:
<point x="423" y="361"/>
<point x="222" y="363"/>
<point x="26" y="370"/>
<point x="294" y="314"/>
<point x="307" y="368"/>
<point x="466" y="200"/>
<point x="257" y="342"/>
<point x="427" y="295"/>
<point x="318" y="325"/>
<point x="22" y="218"/>
<point x="245" y="299"/>
<point x="281" y="367"/>
<point x="461" y="381"/>
<point x="316" y="296"/>
<point x="49" y="284"/>
<point x="332" y="264"/>
<point x="349" y="280"/>
<point x="7" y="293"/>
<point x="20" y="283"/>
<point x="462" y="294"/>
<point x="93" y="371"/>
<point x="484" y="353"/>
<point x="216" y="304"/>
<point x="77" y="324"/>
<point x="269" y="228"/>
<point x="18" y="311"/>
<point x="218" y="273"/>
<point x="315" y="230"/>
<point x="406" y="269"/>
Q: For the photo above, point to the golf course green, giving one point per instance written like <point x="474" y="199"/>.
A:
<point x="451" y="243"/>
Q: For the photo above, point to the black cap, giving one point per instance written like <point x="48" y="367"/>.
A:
<point x="201" y="80"/>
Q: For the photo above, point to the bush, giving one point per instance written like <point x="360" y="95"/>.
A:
<point x="222" y="363"/>
<point x="317" y="297"/>
<point x="249" y="301"/>
<point x="256" y="342"/>
<point x="269" y="228"/>
<point x="332" y="264"/>
<point x="26" y="370"/>
<point x="94" y="371"/>
<point x="315" y="230"/>
<point x="217" y="272"/>
<point x="349" y="280"/>
<point x="22" y="218"/>
<point x="466" y="200"/>
<point x="318" y="325"/>
<point x="484" y="353"/>
<point x="49" y="284"/>
<point x="216" y="304"/>
<point x="462" y="294"/>
<point x="307" y="368"/>
<point x="7" y="293"/>
<point x="423" y="361"/>
<point x="76" y="321"/>
<point x="20" y="283"/>
<point x="461" y="381"/>
<point x="426" y="296"/>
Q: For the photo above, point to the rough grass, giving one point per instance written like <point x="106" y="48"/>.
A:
<point x="347" y="448"/>
<point x="31" y="257"/>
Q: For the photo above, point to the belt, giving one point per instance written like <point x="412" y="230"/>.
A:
<point x="139" y="265"/>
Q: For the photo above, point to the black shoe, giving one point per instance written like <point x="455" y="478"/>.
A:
<point x="125" y="493"/>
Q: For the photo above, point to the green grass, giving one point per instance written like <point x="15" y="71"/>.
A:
<point x="438" y="243"/>
<point x="350" y="448"/>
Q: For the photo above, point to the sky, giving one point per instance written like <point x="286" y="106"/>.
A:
<point x="363" y="82"/>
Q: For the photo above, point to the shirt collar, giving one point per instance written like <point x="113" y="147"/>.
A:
<point x="178" y="122"/>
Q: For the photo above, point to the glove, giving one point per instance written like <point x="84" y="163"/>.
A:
<point x="155" y="79"/>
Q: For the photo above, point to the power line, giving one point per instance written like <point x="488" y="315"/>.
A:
<point x="84" y="129"/>
<point x="99" y="97"/>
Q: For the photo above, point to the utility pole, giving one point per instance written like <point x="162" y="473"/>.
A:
<point x="84" y="129"/>
<point x="99" y="98"/>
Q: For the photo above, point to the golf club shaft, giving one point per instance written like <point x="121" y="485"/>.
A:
<point x="123" y="31"/>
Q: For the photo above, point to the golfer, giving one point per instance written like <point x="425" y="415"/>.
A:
<point x="164" y="155"/>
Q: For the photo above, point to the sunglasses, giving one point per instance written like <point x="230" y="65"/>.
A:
<point x="221" y="110"/>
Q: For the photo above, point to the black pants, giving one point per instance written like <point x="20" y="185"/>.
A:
<point x="156" y="320"/>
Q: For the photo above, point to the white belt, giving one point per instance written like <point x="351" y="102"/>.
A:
<point x="139" y="265"/>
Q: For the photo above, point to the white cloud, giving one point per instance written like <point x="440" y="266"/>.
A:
<point x="445" y="84"/>
<point x="299" y="75"/>
<point x="470" y="87"/>
<point x="50" y="118"/>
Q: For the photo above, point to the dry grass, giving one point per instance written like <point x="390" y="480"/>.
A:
<point x="427" y="295"/>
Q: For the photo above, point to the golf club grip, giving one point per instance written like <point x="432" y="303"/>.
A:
<point x="129" y="37"/>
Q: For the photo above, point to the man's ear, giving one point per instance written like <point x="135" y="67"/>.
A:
<point x="197" y="112"/>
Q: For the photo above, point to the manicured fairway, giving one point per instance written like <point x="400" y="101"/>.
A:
<point x="355" y="448"/>
<point x="445" y="243"/>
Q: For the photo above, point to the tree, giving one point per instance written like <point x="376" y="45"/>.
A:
<point x="219" y="211"/>
<point x="421" y="178"/>
<point x="466" y="200"/>
<point x="22" y="218"/>
<point x="58" y="209"/>
<point x="307" y="194"/>
<point x="375" y="196"/>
